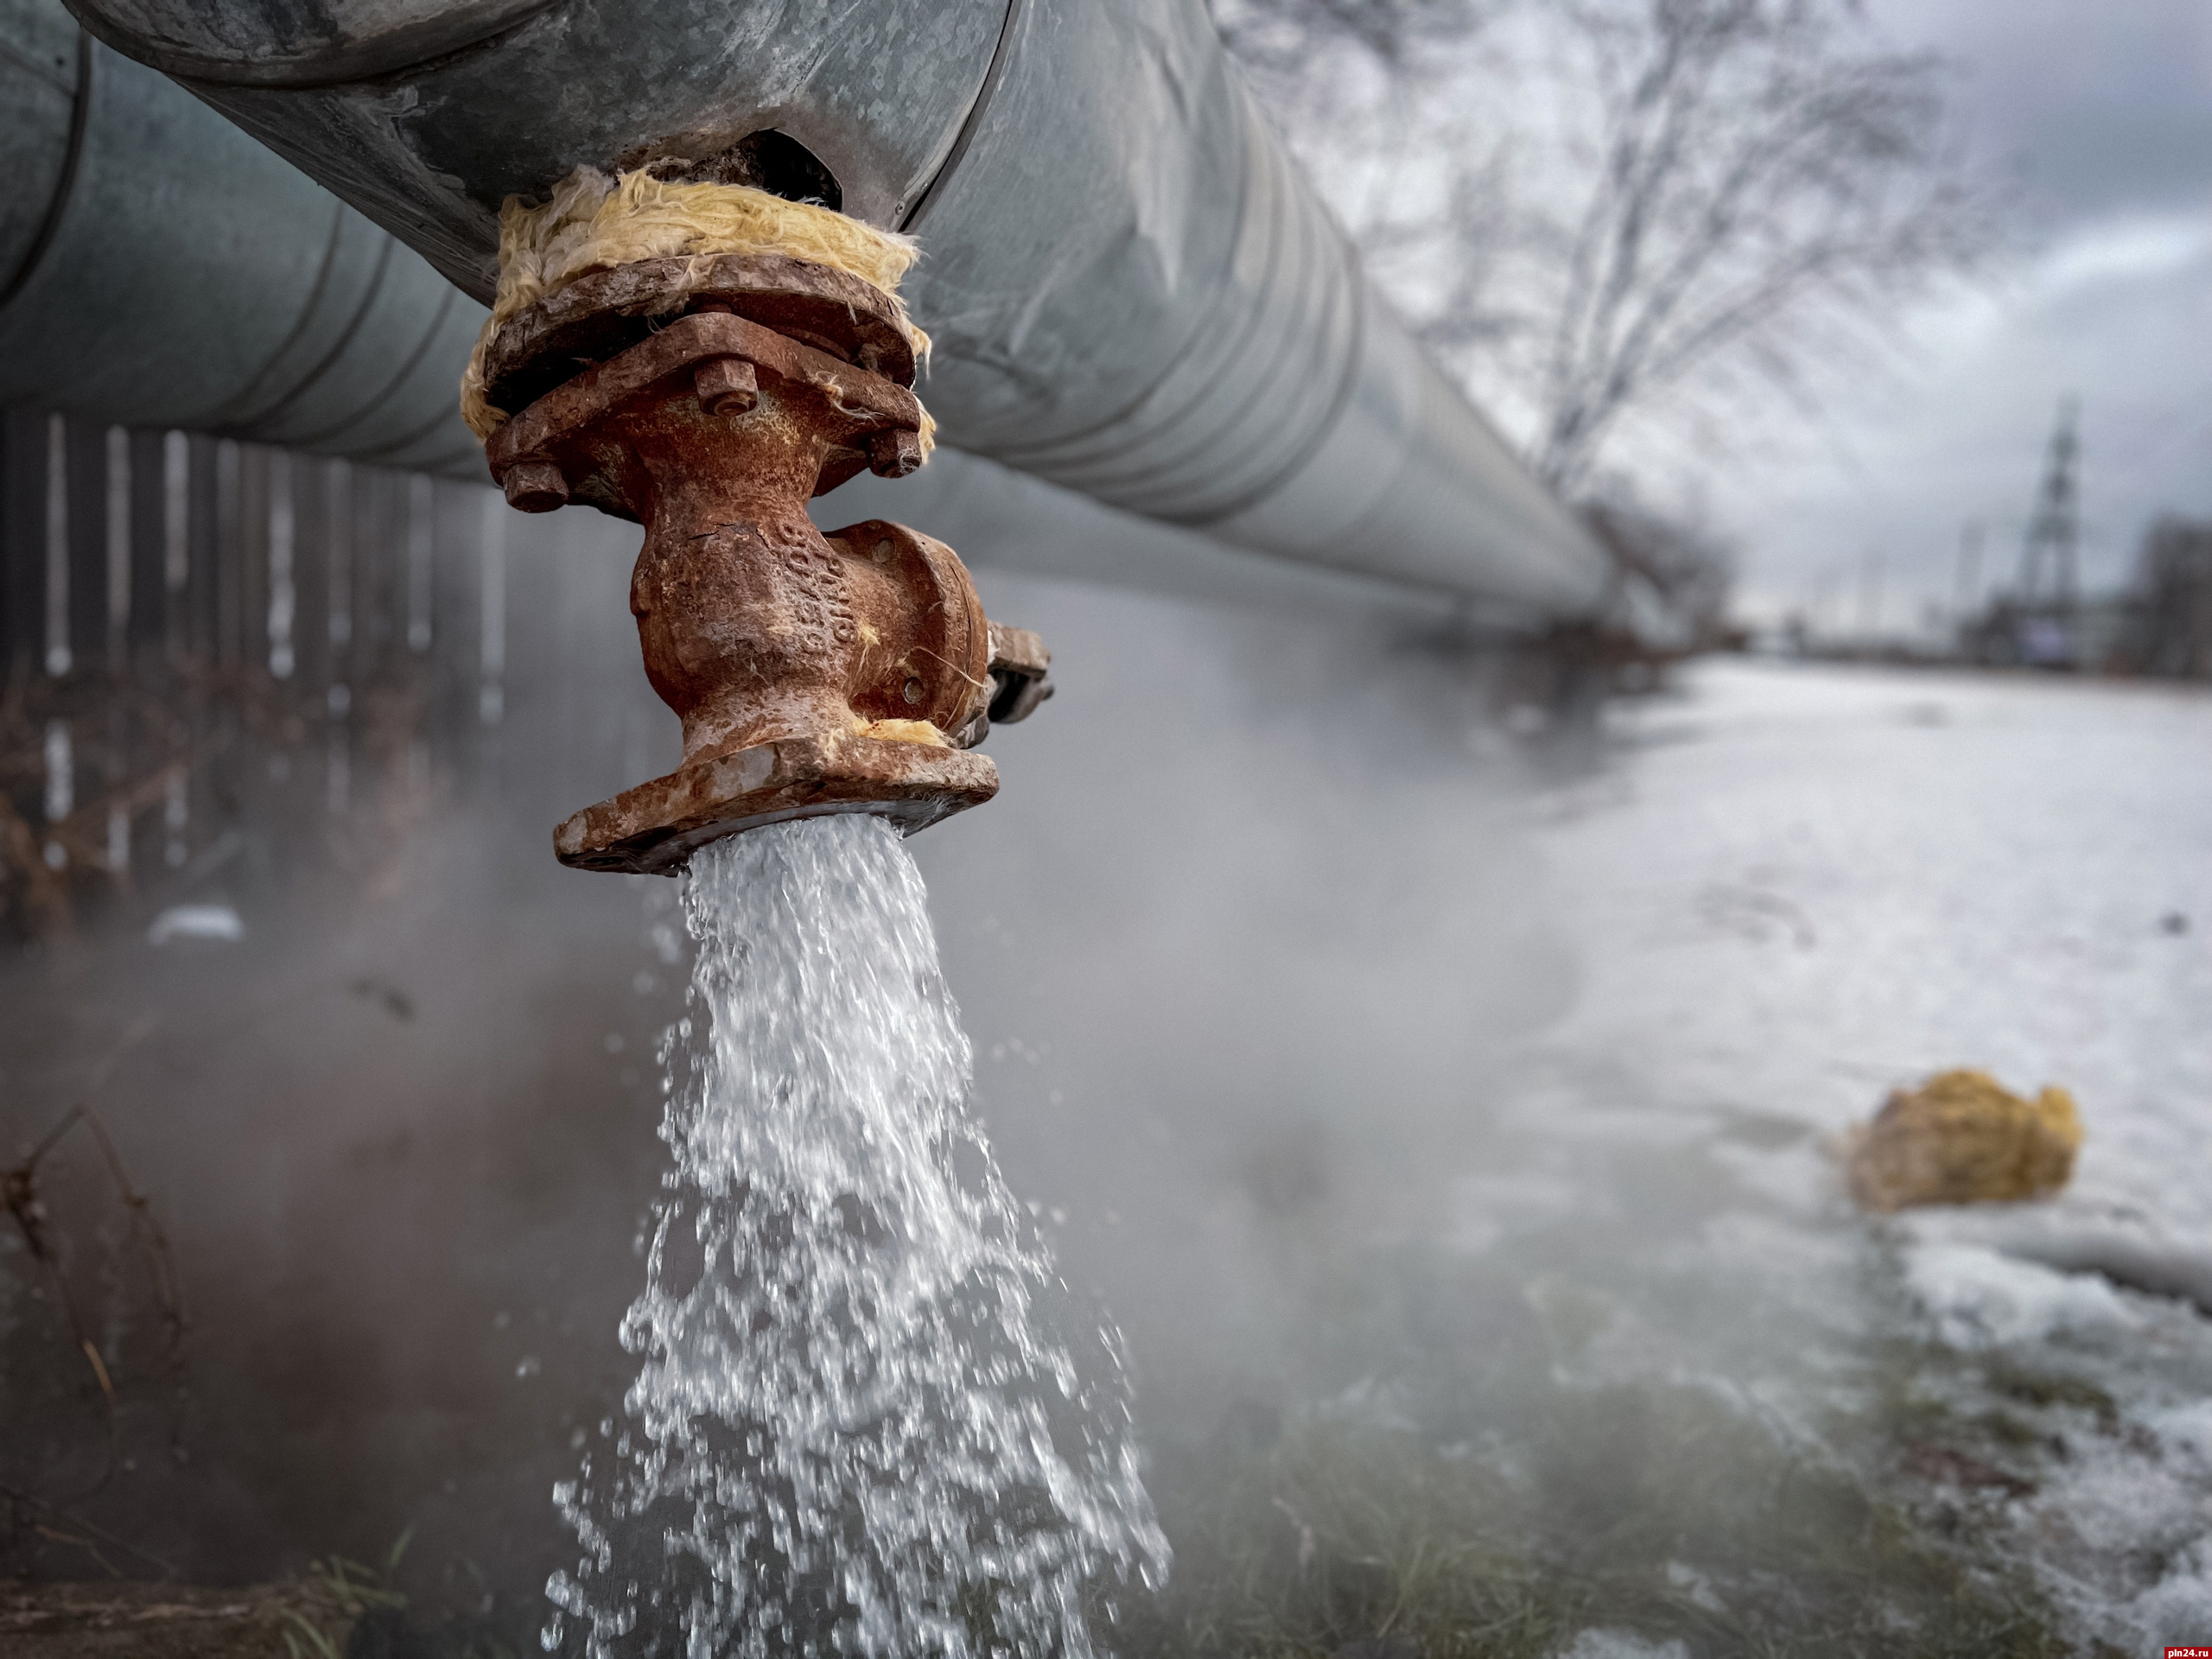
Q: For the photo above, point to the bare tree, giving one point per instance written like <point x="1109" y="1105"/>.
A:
<point x="1604" y="201"/>
<point x="1755" y="169"/>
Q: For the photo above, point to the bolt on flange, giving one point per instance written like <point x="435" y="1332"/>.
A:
<point x="813" y="673"/>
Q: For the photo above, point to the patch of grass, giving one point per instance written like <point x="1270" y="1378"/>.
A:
<point x="2045" y="1391"/>
<point x="338" y="1596"/>
<point x="353" y="1611"/>
<point x="1659" y="1509"/>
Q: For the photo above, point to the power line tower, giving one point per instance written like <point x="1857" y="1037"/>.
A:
<point x="2054" y="537"/>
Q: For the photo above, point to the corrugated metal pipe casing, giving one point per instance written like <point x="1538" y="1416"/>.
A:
<point x="1137" y="295"/>
<point x="159" y="266"/>
<point x="1134" y="292"/>
<point x="426" y="114"/>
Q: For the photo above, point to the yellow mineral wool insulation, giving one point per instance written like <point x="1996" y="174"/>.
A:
<point x="593" y="222"/>
<point x="903" y="731"/>
<point x="1963" y="1137"/>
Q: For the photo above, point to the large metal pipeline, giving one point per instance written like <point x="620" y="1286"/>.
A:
<point x="160" y="268"/>
<point x="108" y="316"/>
<point x="1133" y="291"/>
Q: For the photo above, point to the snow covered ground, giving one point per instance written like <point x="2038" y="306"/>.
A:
<point x="1795" y="887"/>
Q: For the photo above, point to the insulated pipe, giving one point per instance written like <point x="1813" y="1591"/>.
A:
<point x="1134" y="292"/>
<point x="160" y="268"/>
<point x="69" y="344"/>
<point x="1137" y="295"/>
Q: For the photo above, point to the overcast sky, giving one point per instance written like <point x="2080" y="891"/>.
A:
<point x="2103" y="110"/>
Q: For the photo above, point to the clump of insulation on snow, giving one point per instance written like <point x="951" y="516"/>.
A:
<point x="594" y="222"/>
<point x="1963" y="1137"/>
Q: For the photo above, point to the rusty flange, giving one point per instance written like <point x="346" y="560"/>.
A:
<point x="604" y="312"/>
<point x="654" y="828"/>
<point x="813" y="673"/>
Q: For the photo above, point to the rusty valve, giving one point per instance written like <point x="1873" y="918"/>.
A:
<point x="851" y="671"/>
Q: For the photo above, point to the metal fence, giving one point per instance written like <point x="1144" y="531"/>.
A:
<point x="198" y="636"/>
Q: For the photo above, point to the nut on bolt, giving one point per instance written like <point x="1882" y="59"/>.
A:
<point x="535" y="485"/>
<point x="1020" y="674"/>
<point x="725" y="385"/>
<point x="894" y="453"/>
